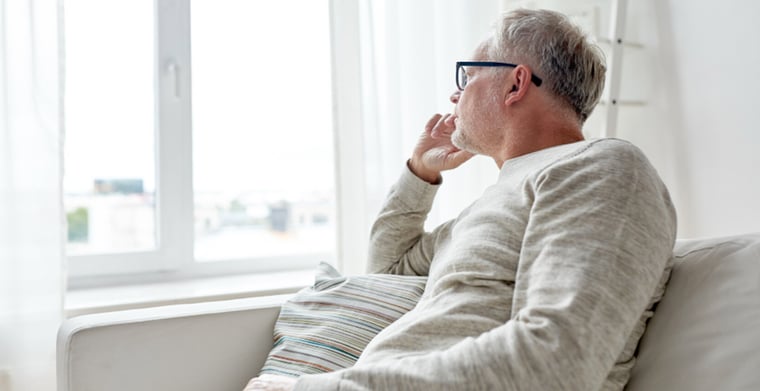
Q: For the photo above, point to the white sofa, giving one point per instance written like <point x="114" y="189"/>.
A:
<point x="705" y="334"/>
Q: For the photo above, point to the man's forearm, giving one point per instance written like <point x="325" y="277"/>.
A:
<point x="398" y="243"/>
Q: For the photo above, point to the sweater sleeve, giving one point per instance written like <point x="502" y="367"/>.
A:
<point x="598" y="240"/>
<point x="398" y="243"/>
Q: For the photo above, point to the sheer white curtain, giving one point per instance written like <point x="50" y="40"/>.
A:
<point x="408" y="53"/>
<point x="31" y="222"/>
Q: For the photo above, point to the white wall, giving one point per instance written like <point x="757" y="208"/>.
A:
<point x="700" y="125"/>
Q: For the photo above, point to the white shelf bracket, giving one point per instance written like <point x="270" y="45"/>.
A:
<point x="617" y="29"/>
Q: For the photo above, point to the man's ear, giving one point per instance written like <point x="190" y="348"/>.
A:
<point x="520" y="80"/>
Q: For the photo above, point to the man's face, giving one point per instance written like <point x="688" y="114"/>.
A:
<point x="477" y="108"/>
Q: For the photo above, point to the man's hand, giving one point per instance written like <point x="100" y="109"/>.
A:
<point x="435" y="152"/>
<point x="271" y="383"/>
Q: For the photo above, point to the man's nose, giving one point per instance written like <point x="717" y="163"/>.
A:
<point x="454" y="98"/>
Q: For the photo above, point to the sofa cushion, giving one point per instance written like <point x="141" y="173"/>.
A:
<point x="705" y="333"/>
<point x="326" y="327"/>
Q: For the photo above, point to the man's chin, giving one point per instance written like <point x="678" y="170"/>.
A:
<point x="459" y="141"/>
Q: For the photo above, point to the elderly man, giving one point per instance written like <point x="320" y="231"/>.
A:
<point x="547" y="280"/>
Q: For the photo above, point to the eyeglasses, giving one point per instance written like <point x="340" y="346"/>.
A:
<point x="462" y="73"/>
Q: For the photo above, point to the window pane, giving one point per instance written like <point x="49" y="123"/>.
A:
<point x="109" y="180"/>
<point x="262" y="129"/>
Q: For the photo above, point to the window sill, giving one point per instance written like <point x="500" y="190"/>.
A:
<point x="103" y="299"/>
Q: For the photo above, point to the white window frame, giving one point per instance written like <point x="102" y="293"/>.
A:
<point x="173" y="258"/>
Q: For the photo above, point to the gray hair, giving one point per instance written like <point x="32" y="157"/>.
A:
<point x="558" y="51"/>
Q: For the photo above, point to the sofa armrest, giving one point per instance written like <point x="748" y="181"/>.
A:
<point x="204" y="346"/>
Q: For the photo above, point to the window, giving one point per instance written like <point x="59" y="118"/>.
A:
<point x="262" y="131"/>
<point x="199" y="136"/>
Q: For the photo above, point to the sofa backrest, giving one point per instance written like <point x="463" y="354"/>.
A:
<point x="705" y="333"/>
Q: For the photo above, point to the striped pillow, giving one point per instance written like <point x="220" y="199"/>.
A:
<point x="326" y="327"/>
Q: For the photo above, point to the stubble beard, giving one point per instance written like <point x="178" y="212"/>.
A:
<point x="456" y="135"/>
<point x="461" y="140"/>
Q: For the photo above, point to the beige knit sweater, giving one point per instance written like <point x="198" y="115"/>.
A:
<point x="544" y="283"/>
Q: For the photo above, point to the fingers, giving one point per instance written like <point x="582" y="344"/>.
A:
<point x="256" y="384"/>
<point x="444" y="127"/>
<point x="459" y="157"/>
<point x="450" y="121"/>
<point x="440" y="126"/>
<point x="269" y="382"/>
<point x="432" y="122"/>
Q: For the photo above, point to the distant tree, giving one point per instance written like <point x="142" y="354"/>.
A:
<point x="236" y="206"/>
<point x="78" y="223"/>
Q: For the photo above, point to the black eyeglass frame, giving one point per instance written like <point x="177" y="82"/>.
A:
<point x="535" y="79"/>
